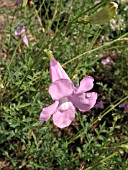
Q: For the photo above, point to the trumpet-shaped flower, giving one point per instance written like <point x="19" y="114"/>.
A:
<point x="67" y="97"/>
<point x="20" y="31"/>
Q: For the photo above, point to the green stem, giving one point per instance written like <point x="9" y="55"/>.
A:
<point x="103" y="160"/>
<point x="98" y="48"/>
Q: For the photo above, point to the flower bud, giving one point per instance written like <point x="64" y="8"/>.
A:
<point x="105" y="14"/>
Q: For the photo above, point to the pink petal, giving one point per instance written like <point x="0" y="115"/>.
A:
<point x="64" y="118"/>
<point x="86" y="84"/>
<point x="61" y="88"/>
<point x="19" y="2"/>
<point x="25" y="40"/>
<point x="99" y="105"/>
<point x="48" y="111"/>
<point x="106" y="61"/>
<point x="20" y="30"/>
<point x="85" y="101"/>
<point x="56" y="71"/>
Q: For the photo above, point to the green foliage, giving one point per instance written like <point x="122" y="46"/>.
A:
<point x="96" y="139"/>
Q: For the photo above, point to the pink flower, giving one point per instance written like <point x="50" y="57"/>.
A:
<point x="106" y="61"/>
<point x="19" y="2"/>
<point x="124" y="106"/>
<point x="99" y="105"/>
<point x="20" y="31"/>
<point x="67" y="97"/>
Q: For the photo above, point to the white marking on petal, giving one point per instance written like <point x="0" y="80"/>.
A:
<point x="65" y="104"/>
<point x="88" y="95"/>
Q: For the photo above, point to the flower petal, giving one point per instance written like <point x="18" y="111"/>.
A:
<point x="86" y="84"/>
<point x="56" y="71"/>
<point x="25" y="40"/>
<point x="61" y="88"/>
<point x="19" y="30"/>
<point x="64" y="118"/>
<point x="48" y="111"/>
<point x="106" y="61"/>
<point x="99" y="105"/>
<point x="19" y="2"/>
<point x="85" y="101"/>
